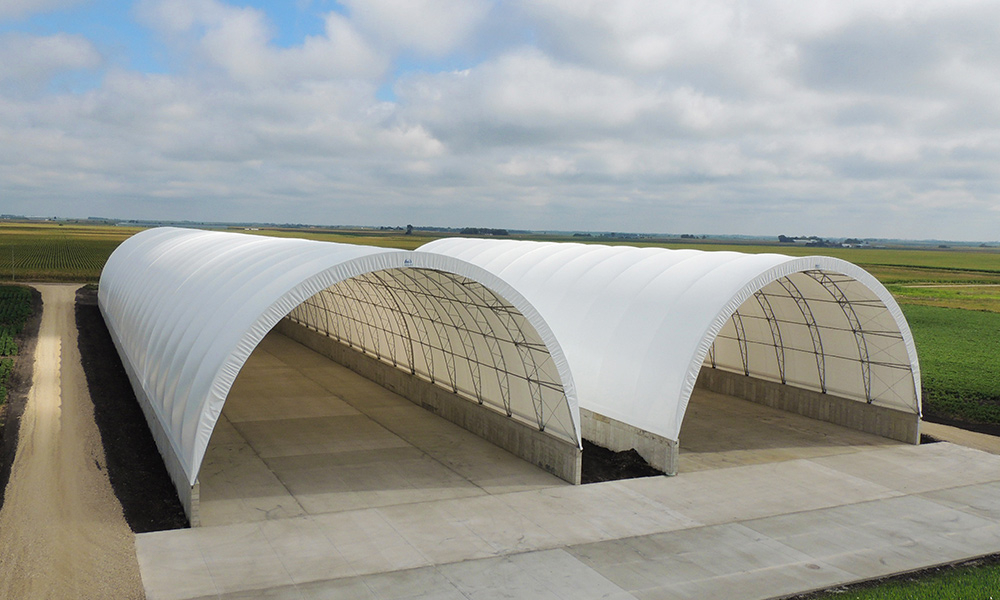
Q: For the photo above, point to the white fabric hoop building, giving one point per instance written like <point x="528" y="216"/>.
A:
<point x="638" y="324"/>
<point x="186" y="308"/>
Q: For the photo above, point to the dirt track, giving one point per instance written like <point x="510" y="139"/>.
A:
<point x="62" y="534"/>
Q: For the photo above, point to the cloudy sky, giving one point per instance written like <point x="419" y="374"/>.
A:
<point x="829" y="117"/>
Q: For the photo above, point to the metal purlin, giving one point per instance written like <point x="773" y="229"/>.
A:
<point x="833" y="288"/>
<point x="419" y="293"/>
<point x="344" y="295"/>
<point x="528" y="361"/>
<point x="349" y="318"/>
<point x="531" y="373"/>
<point x="393" y="304"/>
<point x="796" y="295"/>
<point x="464" y="334"/>
<point x="309" y="309"/>
<point x="386" y="300"/>
<point x="741" y="340"/>
<point x="406" y="296"/>
<point x="492" y="341"/>
<point x="340" y="325"/>
<point x="779" y="347"/>
<point x="491" y="338"/>
<point x="372" y="320"/>
<point x="516" y="336"/>
<point x="486" y="331"/>
<point x="412" y="297"/>
<point x="711" y="354"/>
<point x="520" y="342"/>
<point x="367" y="338"/>
<point x="328" y="314"/>
<point x="431" y="303"/>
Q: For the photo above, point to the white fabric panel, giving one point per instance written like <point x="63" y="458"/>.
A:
<point x="636" y="324"/>
<point x="187" y="307"/>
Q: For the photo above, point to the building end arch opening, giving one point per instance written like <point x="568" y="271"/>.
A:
<point x="813" y="362"/>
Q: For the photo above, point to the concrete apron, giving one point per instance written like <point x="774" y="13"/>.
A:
<point x="755" y="531"/>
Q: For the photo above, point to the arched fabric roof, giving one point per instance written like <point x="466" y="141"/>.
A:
<point x="186" y="308"/>
<point x="638" y="324"/>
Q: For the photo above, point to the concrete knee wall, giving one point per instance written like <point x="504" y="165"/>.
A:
<point x="663" y="453"/>
<point x="854" y="414"/>
<point x="658" y="451"/>
<point x="556" y="456"/>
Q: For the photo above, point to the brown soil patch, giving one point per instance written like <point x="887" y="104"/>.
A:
<point x="135" y="468"/>
<point x="62" y="534"/>
<point x="17" y="390"/>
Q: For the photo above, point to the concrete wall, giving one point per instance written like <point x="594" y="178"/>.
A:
<point x="658" y="451"/>
<point x="886" y="422"/>
<point x="186" y="493"/>
<point x="555" y="456"/>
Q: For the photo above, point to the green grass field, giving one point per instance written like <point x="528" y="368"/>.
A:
<point x="970" y="582"/>
<point x="959" y="353"/>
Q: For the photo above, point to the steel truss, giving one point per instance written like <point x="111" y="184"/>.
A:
<point x="807" y="315"/>
<point x="741" y="340"/>
<point x="439" y="313"/>
<point x="779" y="347"/>
<point x="833" y="287"/>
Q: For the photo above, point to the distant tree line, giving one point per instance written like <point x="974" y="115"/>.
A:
<point x="483" y="231"/>
<point x="813" y="241"/>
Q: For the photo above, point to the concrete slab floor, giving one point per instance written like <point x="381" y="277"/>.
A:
<point x="322" y="484"/>
<point x="755" y="531"/>
<point x="722" y="431"/>
<point x="300" y="434"/>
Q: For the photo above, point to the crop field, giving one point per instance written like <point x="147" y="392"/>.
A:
<point x="46" y="252"/>
<point x="15" y="308"/>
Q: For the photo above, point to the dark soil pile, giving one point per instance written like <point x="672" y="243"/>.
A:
<point x="17" y="391"/>
<point x="601" y="464"/>
<point x="134" y="465"/>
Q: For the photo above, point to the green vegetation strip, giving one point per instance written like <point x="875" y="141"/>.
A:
<point x="959" y="354"/>
<point x="970" y="582"/>
<point x="15" y="308"/>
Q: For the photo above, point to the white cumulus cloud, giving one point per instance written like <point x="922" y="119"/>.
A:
<point x="29" y="61"/>
<point x="835" y="117"/>
<point x="430" y="27"/>
<point x="15" y="9"/>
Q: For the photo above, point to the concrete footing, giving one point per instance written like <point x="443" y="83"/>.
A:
<point x="562" y="459"/>
<point x="878" y="420"/>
